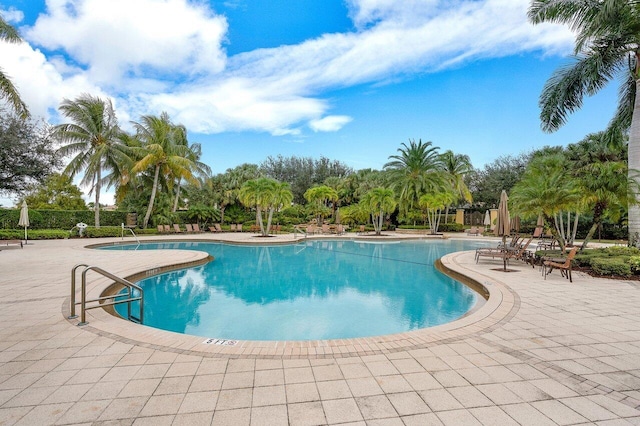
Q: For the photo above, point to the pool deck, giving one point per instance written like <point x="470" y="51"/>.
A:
<point x="538" y="352"/>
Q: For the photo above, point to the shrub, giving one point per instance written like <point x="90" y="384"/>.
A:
<point x="611" y="266"/>
<point x="40" y="234"/>
<point x="634" y="263"/>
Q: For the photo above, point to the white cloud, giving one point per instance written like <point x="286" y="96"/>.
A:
<point x="166" y="55"/>
<point x="331" y="123"/>
<point x="13" y="16"/>
<point x="122" y="39"/>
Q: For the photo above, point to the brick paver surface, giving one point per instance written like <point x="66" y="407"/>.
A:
<point x="539" y="352"/>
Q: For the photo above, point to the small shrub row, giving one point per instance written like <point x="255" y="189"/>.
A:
<point x="39" y="234"/>
<point x="611" y="266"/>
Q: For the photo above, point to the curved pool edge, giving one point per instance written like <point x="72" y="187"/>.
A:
<point x="502" y="304"/>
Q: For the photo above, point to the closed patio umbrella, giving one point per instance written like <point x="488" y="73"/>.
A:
<point x="503" y="222"/>
<point x="487" y="219"/>
<point x="24" y="219"/>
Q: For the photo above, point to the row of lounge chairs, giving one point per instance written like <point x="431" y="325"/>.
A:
<point x="313" y="229"/>
<point x="189" y="229"/>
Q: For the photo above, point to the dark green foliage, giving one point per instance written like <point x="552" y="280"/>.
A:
<point x="59" y="219"/>
<point x="42" y="234"/>
<point x="112" y="231"/>
<point x="611" y="266"/>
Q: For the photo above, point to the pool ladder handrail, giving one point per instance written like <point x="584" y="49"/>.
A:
<point x="297" y="229"/>
<point x="132" y="233"/>
<point x="131" y="287"/>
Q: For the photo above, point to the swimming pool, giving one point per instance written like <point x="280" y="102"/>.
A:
<point x="313" y="290"/>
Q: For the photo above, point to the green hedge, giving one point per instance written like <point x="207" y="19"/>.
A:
<point x="60" y="219"/>
<point x="41" y="234"/>
<point x="611" y="266"/>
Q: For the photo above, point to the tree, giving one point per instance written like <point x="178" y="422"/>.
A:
<point x="8" y="91"/>
<point x="57" y="193"/>
<point x="434" y="203"/>
<point x="265" y="194"/>
<point x="456" y="168"/>
<point x="607" y="46"/>
<point x="546" y="189"/>
<point x="302" y="172"/>
<point x="377" y="202"/>
<point x="93" y="138"/>
<point x="503" y="173"/>
<point x="27" y="153"/>
<point x="320" y="196"/>
<point x="162" y="152"/>
<point x="414" y="172"/>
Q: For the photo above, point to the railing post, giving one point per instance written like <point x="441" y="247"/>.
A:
<point x="73" y="291"/>
<point x="83" y="299"/>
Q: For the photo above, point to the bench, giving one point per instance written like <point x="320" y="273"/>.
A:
<point x="7" y="242"/>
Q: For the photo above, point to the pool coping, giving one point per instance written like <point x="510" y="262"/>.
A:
<point x="501" y="305"/>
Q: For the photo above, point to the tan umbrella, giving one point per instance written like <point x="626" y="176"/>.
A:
<point x="503" y="222"/>
<point x="24" y="219"/>
<point x="515" y="223"/>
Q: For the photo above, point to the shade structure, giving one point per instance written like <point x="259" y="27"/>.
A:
<point x="503" y="222"/>
<point x="24" y="218"/>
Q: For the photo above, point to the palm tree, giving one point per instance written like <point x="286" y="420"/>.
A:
<point x="8" y="91"/>
<point x="414" y="172"/>
<point x="265" y="194"/>
<point x="320" y="196"/>
<point x="607" y="46"/>
<point x="434" y="203"/>
<point x="194" y="153"/>
<point x="93" y="136"/>
<point x="377" y="202"/>
<point x="162" y="152"/>
<point x="456" y="167"/>
<point x="546" y="189"/>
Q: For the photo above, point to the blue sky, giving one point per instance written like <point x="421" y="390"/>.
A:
<point x="346" y="79"/>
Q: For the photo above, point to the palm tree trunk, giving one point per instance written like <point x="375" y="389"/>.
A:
<point x="634" y="167"/>
<point x="222" y="207"/>
<point x="175" y="202"/>
<point x="271" y="209"/>
<point x="152" y="199"/>
<point x="96" y="207"/>
<point x="259" y="217"/>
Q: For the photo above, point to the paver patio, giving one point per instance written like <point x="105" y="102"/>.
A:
<point x="538" y="352"/>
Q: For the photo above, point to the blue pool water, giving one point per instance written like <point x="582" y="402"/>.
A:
<point x="310" y="290"/>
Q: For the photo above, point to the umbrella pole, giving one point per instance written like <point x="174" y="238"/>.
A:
<point x="25" y="235"/>
<point x="504" y="247"/>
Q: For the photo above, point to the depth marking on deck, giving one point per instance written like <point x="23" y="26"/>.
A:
<point x="221" y="342"/>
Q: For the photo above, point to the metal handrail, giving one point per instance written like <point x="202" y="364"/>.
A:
<point x="83" y="295"/>
<point x="297" y="229"/>
<point x="132" y="233"/>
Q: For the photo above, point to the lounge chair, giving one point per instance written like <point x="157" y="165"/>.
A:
<point x="363" y="230"/>
<point x="233" y="227"/>
<point x="160" y="229"/>
<point x="239" y="227"/>
<point x="189" y="228"/>
<point x="255" y="228"/>
<point x="326" y="229"/>
<point x="474" y="231"/>
<point x="167" y="229"/>
<point x="215" y="228"/>
<point x="176" y="228"/>
<point x="565" y="268"/>
<point x="196" y="228"/>
<point x="519" y="253"/>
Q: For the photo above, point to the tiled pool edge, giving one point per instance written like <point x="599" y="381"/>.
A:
<point x="501" y="305"/>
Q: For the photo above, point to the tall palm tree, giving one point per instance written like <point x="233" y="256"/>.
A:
<point x="8" y="91"/>
<point x="414" y="172"/>
<point x="93" y="136"/>
<point x="377" y="202"/>
<point x="607" y="46"/>
<point x="162" y="152"/>
<point x="456" y="167"/>
<point x="194" y="153"/>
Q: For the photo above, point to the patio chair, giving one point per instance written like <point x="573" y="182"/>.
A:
<point x="167" y="229"/>
<point x="565" y="268"/>
<point x="326" y="229"/>
<point x="160" y="229"/>
<point x="189" y="228"/>
<point x="215" y="228"/>
<point x="232" y="227"/>
<point x="520" y="253"/>
<point x="196" y="228"/>
<point x="363" y="230"/>
<point x="474" y="231"/>
<point x="239" y="227"/>
<point x="176" y="228"/>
